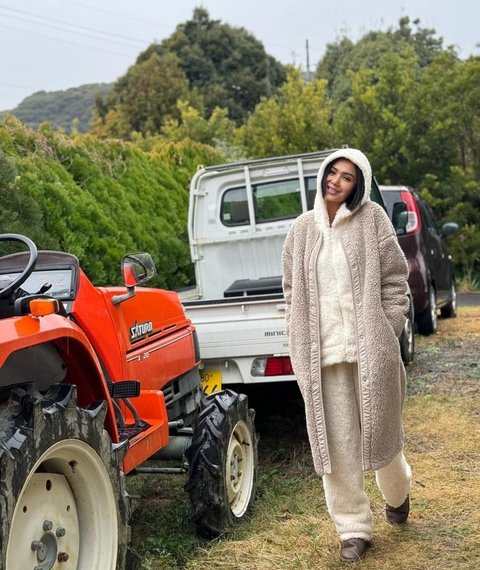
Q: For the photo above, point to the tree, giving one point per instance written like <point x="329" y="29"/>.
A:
<point x="192" y="125"/>
<point x="420" y="127"/>
<point x="295" y="119"/>
<point x="227" y="65"/>
<point x="375" y="116"/>
<point x="344" y="59"/>
<point x="100" y="199"/>
<point x="448" y="109"/>
<point x="143" y="98"/>
<point x="18" y="209"/>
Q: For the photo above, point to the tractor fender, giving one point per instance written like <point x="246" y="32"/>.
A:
<point x="52" y="349"/>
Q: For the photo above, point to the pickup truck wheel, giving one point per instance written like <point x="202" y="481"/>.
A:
<point x="407" y="338"/>
<point x="62" y="493"/>
<point x="427" y="320"/>
<point x="450" y="309"/>
<point x="223" y="461"/>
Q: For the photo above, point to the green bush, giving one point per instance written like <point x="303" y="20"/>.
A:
<point x="99" y="199"/>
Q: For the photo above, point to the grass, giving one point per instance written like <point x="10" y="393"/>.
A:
<point x="290" y="528"/>
<point x="469" y="284"/>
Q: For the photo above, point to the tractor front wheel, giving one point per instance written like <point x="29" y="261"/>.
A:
<point x="62" y="494"/>
<point x="223" y="462"/>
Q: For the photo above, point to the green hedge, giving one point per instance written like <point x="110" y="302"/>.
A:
<point x="99" y="199"/>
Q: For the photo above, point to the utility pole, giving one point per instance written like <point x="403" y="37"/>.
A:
<point x="308" y="62"/>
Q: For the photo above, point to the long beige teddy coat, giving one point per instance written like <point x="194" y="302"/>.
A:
<point x="379" y="284"/>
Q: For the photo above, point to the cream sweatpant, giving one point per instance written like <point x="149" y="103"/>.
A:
<point x="345" y="495"/>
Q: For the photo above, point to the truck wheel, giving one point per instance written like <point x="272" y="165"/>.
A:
<point x="62" y="492"/>
<point x="450" y="309"/>
<point x="427" y="320"/>
<point x="407" y="338"/>
<point x="223" y="461"/>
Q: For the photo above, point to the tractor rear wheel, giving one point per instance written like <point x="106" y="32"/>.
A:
<point x="62" y="496"/>
<point x="223" y="462"/>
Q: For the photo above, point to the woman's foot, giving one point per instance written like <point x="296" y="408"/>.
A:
<point x="398" y="515"/>
<point x="354" y="549"/>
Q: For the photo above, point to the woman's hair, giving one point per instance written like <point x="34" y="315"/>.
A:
<point x="357" y="195"/>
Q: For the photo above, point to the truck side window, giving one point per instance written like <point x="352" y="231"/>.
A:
<point x="235" y="207"/>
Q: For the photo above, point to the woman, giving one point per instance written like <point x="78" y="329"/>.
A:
<point x="345" y="284"/>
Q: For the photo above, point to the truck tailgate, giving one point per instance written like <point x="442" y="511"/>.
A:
<point x="235" y="328"/>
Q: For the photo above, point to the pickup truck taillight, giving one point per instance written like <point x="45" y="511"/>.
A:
<point x="413" y="223"/>
<point x="272" y="366"/>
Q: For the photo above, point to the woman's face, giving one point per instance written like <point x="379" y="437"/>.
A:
<point x="341" y="181"/>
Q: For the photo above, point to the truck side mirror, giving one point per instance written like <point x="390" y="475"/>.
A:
<point x="400" y="217"/>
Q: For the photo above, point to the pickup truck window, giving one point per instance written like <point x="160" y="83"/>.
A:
<point x="278" y="200"/>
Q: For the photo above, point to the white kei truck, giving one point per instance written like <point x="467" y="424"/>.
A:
<point x="239" y="216"/>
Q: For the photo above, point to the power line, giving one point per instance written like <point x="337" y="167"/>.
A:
<point x="150" y="22"/>
<point x="118" y="14"/>
<point x="64" y="23"/>
<point x="43" y="36"/>
<point x="68" y="31"/>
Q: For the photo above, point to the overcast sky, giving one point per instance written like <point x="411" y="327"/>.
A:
<point x="56" y="44"/>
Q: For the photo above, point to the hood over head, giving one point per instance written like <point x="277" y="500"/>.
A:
<point x="357" y="157"/>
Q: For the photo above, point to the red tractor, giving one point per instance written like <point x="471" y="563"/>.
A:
<point x="94" y="381"/>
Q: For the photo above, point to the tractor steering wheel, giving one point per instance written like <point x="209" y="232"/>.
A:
<point x="32" y="260"/>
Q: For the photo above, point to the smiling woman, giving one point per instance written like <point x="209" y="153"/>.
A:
<point x="345" y="276"/>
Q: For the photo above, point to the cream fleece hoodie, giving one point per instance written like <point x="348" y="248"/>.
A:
<point x="338" y="339"/>
<point x="337" y="320"/>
